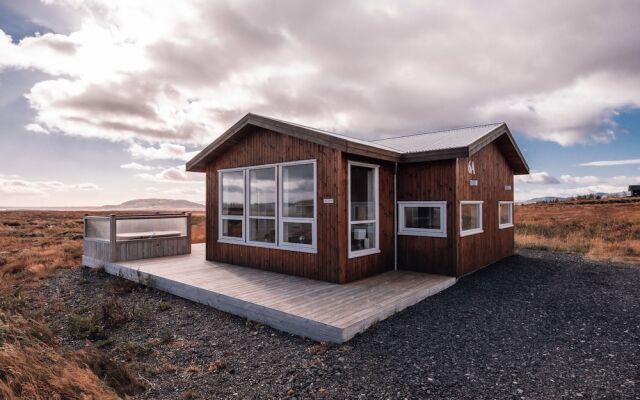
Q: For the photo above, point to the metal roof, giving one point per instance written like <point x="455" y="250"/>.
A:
<point x="430" y="146"/>
<point x="438" y="140"/>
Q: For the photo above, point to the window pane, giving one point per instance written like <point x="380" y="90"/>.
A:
<point x="262" y="192"/>
<point x="296" y="232"/>
<point x="232" y="193"/>
<point x="363" y="236"/>
<point x="470" y="216"/>
<point x="297" y="191"/>
<point x="422" y="217"/>
<point x="232" y="228"/>
<point x="262" y="230"/>
<point x="362" y="193"/>
<point x="505" y="214"/>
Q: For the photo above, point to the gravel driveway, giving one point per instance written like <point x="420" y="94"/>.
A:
<point x="535" y="326"/>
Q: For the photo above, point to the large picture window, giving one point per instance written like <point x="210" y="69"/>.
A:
<point x="505" y="214"/>
<point x="363" y="209"/>
<point x="470" y="217"/>
<point x="270" y="206"/>
<point x="422" y="218"/>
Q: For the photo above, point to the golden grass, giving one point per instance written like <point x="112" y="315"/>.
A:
<point x="602" y="230"/>
<point x="34" y="245"/>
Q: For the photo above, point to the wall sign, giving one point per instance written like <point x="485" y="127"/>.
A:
<point x="507" y="187"/>
<point x="473" y="182"/>
<point x="327" y="200"/>
<point x="471" y="167"/>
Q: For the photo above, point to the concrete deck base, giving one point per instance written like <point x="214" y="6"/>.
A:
<point x="318" y="310"/>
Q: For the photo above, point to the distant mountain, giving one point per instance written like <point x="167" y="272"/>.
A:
<point x="553" y="199"/>
<point x="156" y="204"/>
<point x="546" y="199"/>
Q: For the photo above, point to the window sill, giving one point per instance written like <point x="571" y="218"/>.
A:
<point x="423" y="233"/>
<point x="362" y="253"/>
<point x="269" y="246"/>
<point x="505" y="226"/>
<point x="471" y="232"/>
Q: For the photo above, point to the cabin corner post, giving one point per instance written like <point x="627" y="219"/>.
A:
<point x="112" y="237"/>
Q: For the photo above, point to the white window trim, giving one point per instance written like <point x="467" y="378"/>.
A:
<point x="221" y="218"/>
<point x="281" y="220"/>
<point x="279" y="244"/>
<point x="403" y="230"/>
<point x="376" y="248"/>
<point x="474" y="231"/>
<point x="510" y="224"/>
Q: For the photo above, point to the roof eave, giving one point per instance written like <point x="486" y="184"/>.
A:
<point x="519" y="165"/>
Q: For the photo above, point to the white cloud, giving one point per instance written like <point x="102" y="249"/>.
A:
<point x="610" y="163"/>
<point x="14" y="185"/>
<point x="165" y="151"/>
<point x="569" y="185"/>
<point x="182" y="72"/>
<point x="173" y="175"/>
<point x="537" y="177"/>
<point x="588" y="180"/>
<point x="138" y="167"/>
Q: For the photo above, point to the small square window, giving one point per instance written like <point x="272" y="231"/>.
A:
<point x="505" y="214"/>
<point x="470" y="218"/>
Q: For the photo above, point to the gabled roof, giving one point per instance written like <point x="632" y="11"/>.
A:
<point x="430" y="146"/>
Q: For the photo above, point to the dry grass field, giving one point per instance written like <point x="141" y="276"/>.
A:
<point x="36" y="244"/>
<point x="33" y="365"/>
<point x="602" y="230"/>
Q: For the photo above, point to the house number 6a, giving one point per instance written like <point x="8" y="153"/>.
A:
<point x="471" y="167"/>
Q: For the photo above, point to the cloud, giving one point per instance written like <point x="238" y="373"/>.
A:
<point x="138" y="167"/>
<point x="538" y="177"/>
<point x="183" y="72"/>
<point x="569" y="185"/>
<point x="173" y="175"/>
<point x="14" y="185"/>
<point x="165" y="151"/>
<point x="610" y="163"/>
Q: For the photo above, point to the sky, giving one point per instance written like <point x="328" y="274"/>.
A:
<point x="103" y="101"/>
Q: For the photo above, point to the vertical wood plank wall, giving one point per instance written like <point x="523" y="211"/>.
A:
<point x="431" y="181"/>
<point x="492" y="173"/>
<point x="265" y="147"/>
<point x="363" y="266"/>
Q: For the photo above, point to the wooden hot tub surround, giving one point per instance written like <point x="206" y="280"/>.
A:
<point x="132" y="237"/>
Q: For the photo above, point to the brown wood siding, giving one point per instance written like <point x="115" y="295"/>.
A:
<point x="364" y="266"/>
<point x="266" y="147"/>
<point x="493" y="173"/>
<point x="429" y="181"/>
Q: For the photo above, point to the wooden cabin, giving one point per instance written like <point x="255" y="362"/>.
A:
<point x="301" y="201"/>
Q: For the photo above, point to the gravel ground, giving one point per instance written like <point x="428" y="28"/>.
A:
<point x="538" y="325"/>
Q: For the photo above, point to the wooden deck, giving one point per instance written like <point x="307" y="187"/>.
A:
<point x="314" y="309"/>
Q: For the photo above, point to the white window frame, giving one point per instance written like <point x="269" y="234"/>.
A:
<point x="282" y="219"/>
<point x="376" y="248"/>
<point x="248" y="218"/>
<point x="402" y="228"/>
<point x="279" y="243"/>
<point x="221" y="218"/>
<point x="474" y="231"/>
<point x="510" y="223"/>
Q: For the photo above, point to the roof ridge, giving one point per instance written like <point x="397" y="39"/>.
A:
<point x="325" y="131"/>
<point x="439" y="131"/>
